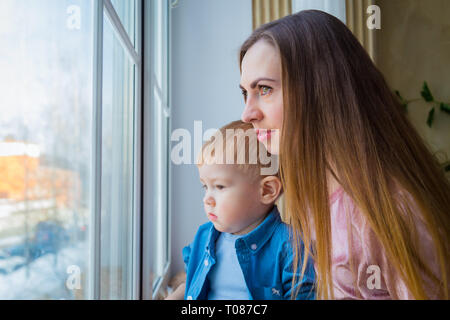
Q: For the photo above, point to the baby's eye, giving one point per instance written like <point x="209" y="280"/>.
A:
<point x="265" y="90"/>
<point x="204" y="186"/>
<point x="220" y="187"/>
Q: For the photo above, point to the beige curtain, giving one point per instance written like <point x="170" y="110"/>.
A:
<point x="268" y="10"/>
<point x="356" y="16"/>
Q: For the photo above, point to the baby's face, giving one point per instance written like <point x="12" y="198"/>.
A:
<point x="232" y="199"/>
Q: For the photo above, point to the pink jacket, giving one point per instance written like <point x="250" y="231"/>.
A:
<point x="369" y="257"/>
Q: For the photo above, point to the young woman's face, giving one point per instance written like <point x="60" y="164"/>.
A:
<point x="262" y="90"/>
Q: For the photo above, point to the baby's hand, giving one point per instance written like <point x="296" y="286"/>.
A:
<point x="178" y="294"/>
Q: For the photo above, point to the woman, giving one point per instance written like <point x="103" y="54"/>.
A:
<point x="361" y="188"/>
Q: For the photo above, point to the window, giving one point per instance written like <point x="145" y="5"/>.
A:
<point x="334" y="7"/>
<point x="70" y="148"/>
<point x="115" y="235"/>
<point x="156" y="200"/>
<point x="45" y="148"/>
<point x="118" y="159"/>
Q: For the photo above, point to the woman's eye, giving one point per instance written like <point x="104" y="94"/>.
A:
<point x="244" y="94"/>
<point x="205" y="186"/>
<point x="264" y="90"/>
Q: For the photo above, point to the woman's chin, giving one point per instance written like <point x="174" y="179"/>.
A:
<point x="273" y="150"/>
<point x="272" y="146"/>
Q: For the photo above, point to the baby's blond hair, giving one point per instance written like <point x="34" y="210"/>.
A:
<point x="236" y="143"/>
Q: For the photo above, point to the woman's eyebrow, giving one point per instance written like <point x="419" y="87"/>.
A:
<point x="255" y="82"/>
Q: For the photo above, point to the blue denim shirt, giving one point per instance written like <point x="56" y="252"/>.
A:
<point x="265" y="256"/>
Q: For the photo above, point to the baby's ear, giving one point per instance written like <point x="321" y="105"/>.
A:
<point x="270" y="188"/>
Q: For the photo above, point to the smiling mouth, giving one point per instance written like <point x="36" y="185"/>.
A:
<point x="263" y="134"/>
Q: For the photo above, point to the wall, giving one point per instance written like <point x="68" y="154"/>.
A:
<point x="413" y="45"/>
<point x="206" y="36"/>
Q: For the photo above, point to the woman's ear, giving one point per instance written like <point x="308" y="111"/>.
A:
<point x="270" y="188"/>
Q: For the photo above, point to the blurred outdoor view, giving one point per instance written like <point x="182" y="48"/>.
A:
<point x="45" y="146"/>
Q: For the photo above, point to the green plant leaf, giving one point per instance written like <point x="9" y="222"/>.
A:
<point x="402" y="101"/>
<point x="426" y="93"/>
<point x="405" y="106"/>
<point x="445" y="107"/>
<point x="430" y="117"/>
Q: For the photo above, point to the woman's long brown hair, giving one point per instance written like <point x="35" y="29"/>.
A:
<point x="342" y="118"/>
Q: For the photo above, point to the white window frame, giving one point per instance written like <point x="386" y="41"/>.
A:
<point x="156" y="199"/>
<point x="102" y="7"/>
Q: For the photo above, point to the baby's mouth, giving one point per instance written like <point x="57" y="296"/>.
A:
<point x="212" y="216"/>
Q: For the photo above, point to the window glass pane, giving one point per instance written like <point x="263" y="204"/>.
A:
<point x="45" y="140"/>
<point x="125" y="9"/>
<point x="158" y="38"/>
<point x="160" y="43"/>
<point x="160" y="157"/>
<point x="117" y="167"/>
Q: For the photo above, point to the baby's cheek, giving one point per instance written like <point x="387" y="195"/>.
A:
<point x="230" y="205"/>
<point x="233" y="202"/>
<point x="247" y="200"/>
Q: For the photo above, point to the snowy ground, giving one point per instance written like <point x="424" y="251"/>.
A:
<point x="46" y="277"/>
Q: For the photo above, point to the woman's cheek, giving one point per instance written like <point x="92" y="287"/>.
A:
<point x="277" y="116"/>
<point x="277" y="111"/>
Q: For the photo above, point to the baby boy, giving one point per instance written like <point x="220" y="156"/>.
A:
<point x="244" y="252"/>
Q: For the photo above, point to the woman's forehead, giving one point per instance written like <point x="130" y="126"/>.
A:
<point x="262" y="60"/>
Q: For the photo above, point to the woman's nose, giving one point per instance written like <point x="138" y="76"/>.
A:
<point x="251" y="112"/>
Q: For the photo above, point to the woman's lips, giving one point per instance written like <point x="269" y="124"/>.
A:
<point x="263" y="134"/>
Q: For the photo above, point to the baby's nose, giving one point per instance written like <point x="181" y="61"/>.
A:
<point x="209" y="201"/>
